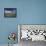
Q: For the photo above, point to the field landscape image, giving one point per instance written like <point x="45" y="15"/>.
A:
<point x="10" y="12"/>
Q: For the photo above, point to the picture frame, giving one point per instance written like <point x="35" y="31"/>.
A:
<point x="10" y="12"/>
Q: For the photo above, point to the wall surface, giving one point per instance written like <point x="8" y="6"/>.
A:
<point x="28" y="12"/>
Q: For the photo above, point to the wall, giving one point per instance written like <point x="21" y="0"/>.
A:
<point x="33" y="12"/>
<point x="28" y="12"/>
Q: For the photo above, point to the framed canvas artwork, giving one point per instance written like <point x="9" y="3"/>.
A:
<point x="10" y="12"/>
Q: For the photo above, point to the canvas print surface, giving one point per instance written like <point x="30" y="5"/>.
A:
<point x="10" y="12"/>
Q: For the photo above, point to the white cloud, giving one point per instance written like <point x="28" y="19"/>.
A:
<point x="8" y="11"/>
